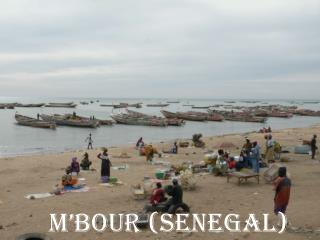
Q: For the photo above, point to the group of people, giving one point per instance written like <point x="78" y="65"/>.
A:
<point x="74" y="168"/>
<point x="171" y="197"/>
<point x="159" y="201"/>
<point x="250" y="157"/>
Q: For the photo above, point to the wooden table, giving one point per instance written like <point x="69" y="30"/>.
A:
<point x="243" y="177"/>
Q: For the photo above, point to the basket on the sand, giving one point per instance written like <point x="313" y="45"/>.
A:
<point x="138" y="192"/>
<point x="187" y="180"/>
<point x="160" y="174"/>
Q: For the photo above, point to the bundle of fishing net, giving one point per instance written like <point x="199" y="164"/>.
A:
<point x="187" y="180"/>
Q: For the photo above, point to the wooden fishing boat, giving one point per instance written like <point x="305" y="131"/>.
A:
<point x="105" y="122"/>
<point x="175" y="121"/>
<point x="62" y="120"/>
<point x="307" y="112"/>
<point x="158" y="105"/>
<point x="8" y="105"/>
<point x="200" y="107"/>
<point x="215" y="117"/>
<point x="190" y="116"/>
<point x="135" y="105"/>
<point x="100" y="122"/>
<point x="168" y="114"/>
<point x="128" y="119"/>
<point x="122" y="105"/>
<point x="33" y="122"/>
<point x="170" y="121"/>
<point x="245" y="119"/>
<point x="239" y="116"/>
<point x="62" y="105"/>
<point x="126" y="105"/>
<point x="277" y="114"/>
<point x="106" y="105"/>
<point x="33" y="105"/>
<point x="208" y="117"/>
<point x="188" y="105"/>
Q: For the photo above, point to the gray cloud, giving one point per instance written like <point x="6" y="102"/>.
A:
<point x="167" y="48"/>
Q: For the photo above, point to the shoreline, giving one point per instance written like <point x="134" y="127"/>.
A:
<point x="125" y="145"/>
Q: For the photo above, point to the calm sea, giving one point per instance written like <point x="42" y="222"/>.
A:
<point x="20" y="140"/>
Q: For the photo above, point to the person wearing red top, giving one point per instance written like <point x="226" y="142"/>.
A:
<point x="158" y="195"/>
<point x="232" y="163"/>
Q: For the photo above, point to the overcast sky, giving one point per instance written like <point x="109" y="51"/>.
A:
<point x="160" y="48"/>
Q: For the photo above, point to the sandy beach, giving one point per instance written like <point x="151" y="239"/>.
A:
<point x="39" y="174"/>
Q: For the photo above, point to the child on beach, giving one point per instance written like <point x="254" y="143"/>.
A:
<point x="90" y="141"/>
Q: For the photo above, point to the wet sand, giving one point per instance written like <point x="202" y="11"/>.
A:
<point x="37" y="174"/>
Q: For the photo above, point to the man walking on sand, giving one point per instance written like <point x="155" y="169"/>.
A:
<point x="313" y="145"/>
<point x="90" y="141"/>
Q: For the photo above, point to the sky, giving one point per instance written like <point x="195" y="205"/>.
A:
<point x="160" y="48"/>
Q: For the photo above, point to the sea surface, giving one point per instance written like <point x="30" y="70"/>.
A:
<point x="20" y="140"/>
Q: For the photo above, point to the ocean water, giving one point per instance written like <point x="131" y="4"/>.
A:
<point x="20" y="140"/>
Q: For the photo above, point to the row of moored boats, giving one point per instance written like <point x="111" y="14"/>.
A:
<point x="258" y="114"/>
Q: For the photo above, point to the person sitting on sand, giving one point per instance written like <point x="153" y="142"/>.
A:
<point x="105" y="165"/>
<point x="221" y="166"/>
<point x="241" y="163"/>
<point x="173" y="150"/>
<point x="85" y="162"/>
<point x="158" y="195"/>
<point x="75" y="167"/>
<point x="232" y="163"/>
<point x="176" y="199"/>
<point x="68" y="180"/>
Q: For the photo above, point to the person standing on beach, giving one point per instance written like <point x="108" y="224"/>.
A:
<point x="105" y="165"/>
<point x="247" y="146"/>
<point x="90" y="141"/>
<point x="255" y="157"/>
<point x="282" y="187"/>
<point x="314" y="147"/>
<point x="269" y="157"/>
